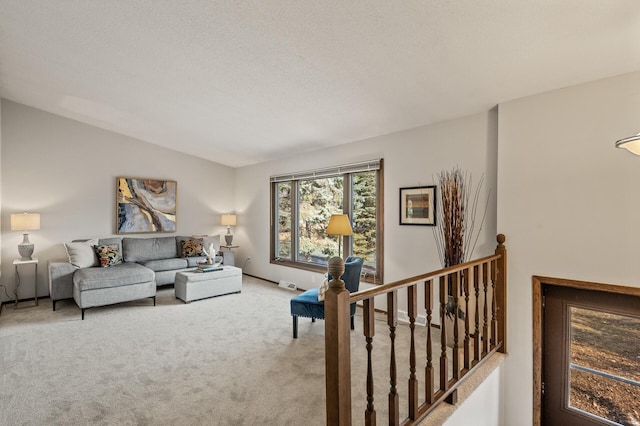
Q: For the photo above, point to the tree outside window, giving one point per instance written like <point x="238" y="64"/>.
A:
<point x="302" y="208"/>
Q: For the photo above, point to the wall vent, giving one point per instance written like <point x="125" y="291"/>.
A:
<point x="288" y="285"/>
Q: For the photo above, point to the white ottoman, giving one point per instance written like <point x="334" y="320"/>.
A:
<point x="200" y="285"/>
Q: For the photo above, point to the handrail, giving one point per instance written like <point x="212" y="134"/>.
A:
<point x="396" y="285"/>
<point x="479" y="286"/>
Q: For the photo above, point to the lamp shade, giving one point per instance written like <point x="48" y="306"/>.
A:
<point x="632" y="144"/>
<point x="25" y="221"/>
<point x="339" y="224"/>
<point x="228" y="219"/>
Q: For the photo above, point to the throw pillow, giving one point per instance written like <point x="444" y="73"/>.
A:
<point x="323" y="289"/>
<point x="108" y="255"/>
<point x="81" y="253"/>
<point x="192" y="248"/>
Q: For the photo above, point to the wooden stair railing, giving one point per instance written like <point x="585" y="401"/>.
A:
<point x="480" y="286"/>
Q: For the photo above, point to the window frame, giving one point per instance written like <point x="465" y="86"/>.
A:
<point x="347" y="242"/>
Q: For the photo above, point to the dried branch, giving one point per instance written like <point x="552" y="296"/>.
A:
<point x="455" y="231"/>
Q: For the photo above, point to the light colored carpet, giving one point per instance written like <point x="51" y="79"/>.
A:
<point x="229" y="360"/>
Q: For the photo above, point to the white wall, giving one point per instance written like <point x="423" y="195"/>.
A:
<point x="66" y="171"/>
<point x="1" y="221"/>
<point x="568" y="202"/>
<point x="482" y="405"/>
<point x="411" y="158"/>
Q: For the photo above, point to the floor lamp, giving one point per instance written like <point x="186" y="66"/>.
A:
<point x="340" y="225"/>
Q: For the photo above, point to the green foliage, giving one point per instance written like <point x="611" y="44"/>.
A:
<point x="364" y="216"/>
<point x="318" y="199"/>
<point x="283" y="194"/>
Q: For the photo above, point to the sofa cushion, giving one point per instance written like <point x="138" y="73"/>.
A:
<point x="166" y="264"/>
<point x="145" y="249"/>
<point x="82" y="254"/>
<point x="108" y="255"/>
<point x="116" y="276"/>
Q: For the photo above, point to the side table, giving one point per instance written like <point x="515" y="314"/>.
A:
<point x="228" y="255"/>
<point x="19" y="262"/>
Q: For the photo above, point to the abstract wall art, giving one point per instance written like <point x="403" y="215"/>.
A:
<point x="145" y="205"/>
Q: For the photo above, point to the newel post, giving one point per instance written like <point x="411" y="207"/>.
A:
<point x="501" y="292"/>
<point x="337" y="330"/>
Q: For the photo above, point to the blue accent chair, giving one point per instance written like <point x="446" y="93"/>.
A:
<point x="307" y="305"/>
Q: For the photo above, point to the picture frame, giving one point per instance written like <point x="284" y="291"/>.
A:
<point x="145" y="206"/>
<point x="418" y="205"/>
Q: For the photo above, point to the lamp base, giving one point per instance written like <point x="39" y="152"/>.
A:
<point x="228" y="238"/>
<point x="25" y="248"/>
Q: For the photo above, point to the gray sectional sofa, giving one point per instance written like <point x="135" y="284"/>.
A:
<point x="146" y="263"/>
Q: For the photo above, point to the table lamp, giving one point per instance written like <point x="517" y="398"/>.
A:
<point x="339" y="224"/>
<point x="25" y="222"/>
<point x="229" y="220"/>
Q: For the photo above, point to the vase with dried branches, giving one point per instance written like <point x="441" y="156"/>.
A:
<point x="457" y="227"/>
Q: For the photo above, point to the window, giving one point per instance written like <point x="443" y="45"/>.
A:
<point x="302" y="204"/>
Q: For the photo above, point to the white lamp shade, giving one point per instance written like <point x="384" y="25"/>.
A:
<point x="632" y="144"/>
<point x="339" y="224"/>
<point x="25" y="221"/>
<point x="229" y="219"/>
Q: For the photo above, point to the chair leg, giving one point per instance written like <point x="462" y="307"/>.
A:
<point x="313" y="320"/>
<point x="353" y="323"/>
<point x="295" y="326"/>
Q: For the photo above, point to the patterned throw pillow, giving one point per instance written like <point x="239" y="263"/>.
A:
<point x="192" y="248"/>
<point x="108" y="255"/>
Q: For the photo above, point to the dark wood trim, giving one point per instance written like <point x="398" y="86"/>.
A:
<point x="537" y="351"/>
<point x="314" y="268"/>
<point x="385" y="288"/>
<point x="538" y="287"/>
<point x="586" y="285"/>
<point x="376" y="279"/>
<point x="272" y="220"/>
<point x="380" y="220"/>
<point x="260" y="278"/>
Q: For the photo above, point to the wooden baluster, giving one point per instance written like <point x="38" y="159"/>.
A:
<point x="501" y="292"/>
<point x="476" y="338"/>
<point x="369" y="332"/>
<point x="444" y="373"/>
<point x="485" y="325"/>
<point x="456" y="328"/>
<point x="392" y="321"/>
<point x="428" y="371"/>
<point x="494" y="319"/>
<point x="467" y="340"/>
<point x="337" y="335"/>
<point x="412" y="310"/>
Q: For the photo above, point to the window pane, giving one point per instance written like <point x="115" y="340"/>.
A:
<point x="605" y="365"/>
<point x="364" y="195"/>
<point x="283" y="220"/>
<point x="318" y="199"/>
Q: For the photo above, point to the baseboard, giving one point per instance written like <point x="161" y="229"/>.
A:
<point x="259" y="278"/>
<point x="404" y="317"/>
<point x="30" y="299"/>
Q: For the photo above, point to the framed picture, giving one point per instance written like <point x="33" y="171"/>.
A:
<point x="418" y="205"/>
<point x="145" y="205"/>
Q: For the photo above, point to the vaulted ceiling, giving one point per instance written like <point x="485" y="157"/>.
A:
<point x="242" y="82"/>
